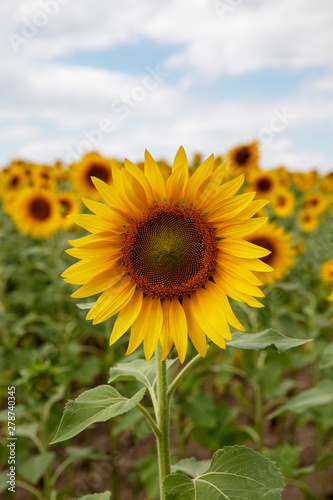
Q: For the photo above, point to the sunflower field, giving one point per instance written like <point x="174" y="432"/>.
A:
<point x="218" y="269"/>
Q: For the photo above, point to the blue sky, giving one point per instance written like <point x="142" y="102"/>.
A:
<point x="119" y="77"/>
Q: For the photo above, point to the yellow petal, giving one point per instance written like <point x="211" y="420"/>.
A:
<point x="236" y="294"/>
<point x="196" y="334"/>
<point x="209" y="187"/>
<point x="166" y="337"/>
<point x="227" y="209"/>
<point x="100" y="282"/>
<point x="258" y="265"/>
<point x="238" y="283"/>
<point x="155" y="177"/>
<point x="180" y="159"/>
<point x="112" y="300"/>
<point x="139" y="175"/>
<point x="253" y="208"/>
<point x="134" y="190"/>
<point x="153" y="326"/>
<point x="138" y="328"/>
<point x="238" y="268"/>
<point x="207" y="314"/>
<point x="107" y="192"/>
<point x="239" y="228"/>
<point x="198" y="177"/>
<point x="242" y="248"/>
<point x="175" y="186"/>
<point x="227" y="190"/>
<point x="82" y="271"/>
<point x="175" y="326"/>
<point x="127" y="316"/>
<point x="94" y="239"/>
<point x="222" y="298"/>
<point x="91" y="223"/>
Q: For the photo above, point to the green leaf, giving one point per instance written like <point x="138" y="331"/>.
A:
<point x="191" y="466"/>
<point x="96" y="405"/>
<point x="320" y="395"/>
<point x="34" y="468"/>
<point x="235" y="473"/>
<point x="97" y="496"/>
<point x="3" y="480"/>
<point x="267" y="338"/>
<point x="139" y="369"/>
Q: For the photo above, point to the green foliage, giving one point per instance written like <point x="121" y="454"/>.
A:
<point x="96" y="405"/>
<point x="261" y="340"/>
<point x="235" y="472"/>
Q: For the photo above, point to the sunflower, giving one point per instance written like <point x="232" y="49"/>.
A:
<point x="282" y="251"/>
<point x="167" y="255"/>
<point x="315" y="202"/>
<point x="326" y="183"/>
<point x="243" y="158"/>
<point x="264" y="183"/>
<point x="91" y="165"/>
<point x="326" y="271"/>
<point x="308" y="220"/>
<point x="282" y="202"/>
<point x="305" y="180"/>
<point x="68" y="204"/>
<point x="282" y="175"/>
<point x="36" y="212"/>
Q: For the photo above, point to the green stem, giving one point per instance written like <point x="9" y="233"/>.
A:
<point x="163" y="419"/>
<point x="181" y="374"/>
<point x="150" y="420"/>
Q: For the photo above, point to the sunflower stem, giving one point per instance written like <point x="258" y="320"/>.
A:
<point x="163" y="419"/>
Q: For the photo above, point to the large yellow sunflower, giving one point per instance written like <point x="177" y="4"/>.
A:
<point x="36" y="212"/>
<point x="167" y="255"/>
<point x="91" y="165"/>
<point x="282" y="251"/>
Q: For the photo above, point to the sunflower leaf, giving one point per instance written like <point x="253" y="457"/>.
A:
<point x="235" y="472"/>
<point x="96" y="405"/>
<point x="320" y="395"/>
<point x="267" y="338"/>
<point x="138" y="369"/>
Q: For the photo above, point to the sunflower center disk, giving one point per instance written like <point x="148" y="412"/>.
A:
<point x="170" y="251"/>
<point x="40" y="209"/>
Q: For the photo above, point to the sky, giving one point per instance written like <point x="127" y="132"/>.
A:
<point x="122" y="76"/>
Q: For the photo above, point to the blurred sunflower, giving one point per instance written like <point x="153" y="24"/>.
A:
<point x="283" y="202"/>
<point x="326" y="270"/>
<point x="326" y="183"/>
<point x="243" y="158"/>
<point x="282" y="251"/>
<point x="36" y="212"/>
<point x="91" y="165"/>
<point x="305" y="181"/>
<point x="315" y="202"/>
<point x="167" y="254"/>
<point x="282" y="175"/>
<point x="264" y="183"/>
<point x="308" y="220"/>
<point x="68" y="204"/>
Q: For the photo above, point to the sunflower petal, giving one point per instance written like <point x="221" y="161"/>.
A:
<point x="155" y="177"/>
<point x="127" y="316"/>
<point x="242" y="248"/>
<point x="112" y="300"/>
<point x="153" y="326"/>
<point x="196" y="334"/>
